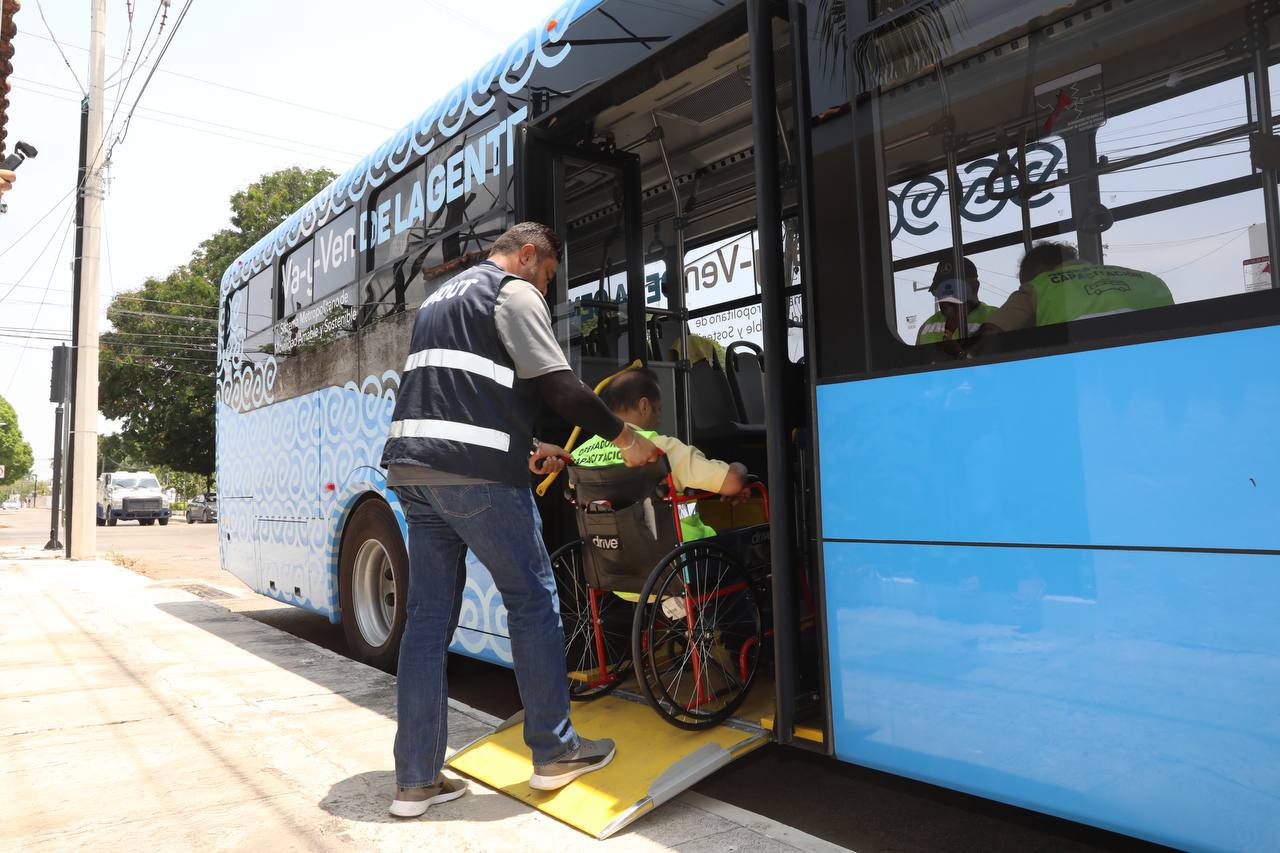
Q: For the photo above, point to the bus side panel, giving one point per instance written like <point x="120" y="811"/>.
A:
<point x="998" y="623"/>
<point x="1159" y="444"/>
<point x="355" y="420"/>
<point x="1138" y="691"/>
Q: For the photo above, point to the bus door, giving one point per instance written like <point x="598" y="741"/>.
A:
<point x="590" y="195"/>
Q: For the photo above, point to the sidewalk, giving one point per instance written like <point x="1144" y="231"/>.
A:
<point x="136" y="716"/>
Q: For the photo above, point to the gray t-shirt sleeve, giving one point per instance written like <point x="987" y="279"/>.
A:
<point x="524" y="326"/>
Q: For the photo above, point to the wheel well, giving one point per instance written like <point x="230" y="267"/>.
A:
<point x="336" y="568"/>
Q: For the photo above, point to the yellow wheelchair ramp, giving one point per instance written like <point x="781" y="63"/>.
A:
<point x="655" y="762"/>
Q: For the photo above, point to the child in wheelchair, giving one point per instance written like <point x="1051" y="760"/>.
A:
<point x="694" y="616"/>
<point x="636" y="398"/>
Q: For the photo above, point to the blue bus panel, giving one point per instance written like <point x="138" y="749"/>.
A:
<point x="1106" y="681"/>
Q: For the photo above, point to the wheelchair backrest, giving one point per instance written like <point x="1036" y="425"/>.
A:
<point x="624" y="518"/>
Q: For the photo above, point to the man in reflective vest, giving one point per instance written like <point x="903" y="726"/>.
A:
<point x="1058" y="287"/>
<point x="458" y="455"/>
<point x="952" y="292"/>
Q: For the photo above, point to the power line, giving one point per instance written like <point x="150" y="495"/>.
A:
<point x="17" y="365"/>
<point x="124" y="131"/>
<point x="313" y="154"/>
<point x="192" y="118"/>
<point x="23" y="277"/>
<point x="47" y="214"/>
<point x="54" y="39"/>
<point x="307" y="107"/>
<point x="223" y="125"/>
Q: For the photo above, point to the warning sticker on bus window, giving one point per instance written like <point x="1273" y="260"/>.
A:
<point x="1072" y="103"/>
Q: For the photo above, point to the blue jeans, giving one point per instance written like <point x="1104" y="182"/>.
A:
<point x="501" y="526"/>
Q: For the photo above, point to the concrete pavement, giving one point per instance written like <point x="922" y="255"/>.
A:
<point x="136" y="715"/>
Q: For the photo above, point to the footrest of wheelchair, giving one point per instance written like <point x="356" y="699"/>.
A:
<point x="655" y="762"/>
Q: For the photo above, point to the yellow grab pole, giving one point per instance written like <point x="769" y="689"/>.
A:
<point x="573" y="436"/>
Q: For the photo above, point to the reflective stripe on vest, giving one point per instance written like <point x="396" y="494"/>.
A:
<point x="460" y="360"/>
<point x="451" y="431"/>
<point x="1078" y="290"/>
<point x="934" y="330"/>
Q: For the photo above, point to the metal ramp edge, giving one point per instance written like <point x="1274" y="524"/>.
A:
<point x="655" y="763"/>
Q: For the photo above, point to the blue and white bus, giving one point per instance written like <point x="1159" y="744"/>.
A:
<point x="1047" y="567"/>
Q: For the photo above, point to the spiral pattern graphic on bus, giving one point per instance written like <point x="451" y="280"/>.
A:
<point x="280" y="526"/>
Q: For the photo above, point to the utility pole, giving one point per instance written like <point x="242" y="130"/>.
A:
<point x="82" y="539"/>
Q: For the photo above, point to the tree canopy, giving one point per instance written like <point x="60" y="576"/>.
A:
<point x="15" y="452"/>
<point x="157" y="370"/>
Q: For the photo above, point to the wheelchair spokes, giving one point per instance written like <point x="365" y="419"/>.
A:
<point x="696" y="637"/>
<point x="596" y="660"/>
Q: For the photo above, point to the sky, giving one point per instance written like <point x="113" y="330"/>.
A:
<point x="244" y="89"/>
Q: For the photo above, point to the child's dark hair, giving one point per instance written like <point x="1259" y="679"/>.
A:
<point x="626" y="391"/>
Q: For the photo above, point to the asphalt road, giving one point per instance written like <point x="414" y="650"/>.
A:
<point x="858" y="808"/>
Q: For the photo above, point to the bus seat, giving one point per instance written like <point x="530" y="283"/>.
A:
<point x="745" y="366"/>
<point x="715" y="412"/>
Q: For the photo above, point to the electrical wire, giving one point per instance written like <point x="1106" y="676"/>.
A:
<point x="47" y="214"/>
<point x="313" y="154"/>
<point x="309" y="108"/>
<point x="124" y="131"/>
<point x="54" y="39"/>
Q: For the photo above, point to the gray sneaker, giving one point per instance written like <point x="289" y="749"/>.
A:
<point x="414" y="802"/>
<point x="590" y="755"/>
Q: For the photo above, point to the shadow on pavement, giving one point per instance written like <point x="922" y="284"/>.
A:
<point x="365" y="797"/>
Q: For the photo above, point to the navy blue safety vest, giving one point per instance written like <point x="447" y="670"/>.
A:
<point x="461" y="408"/>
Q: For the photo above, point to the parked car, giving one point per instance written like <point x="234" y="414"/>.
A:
<point x="202" y="508"/>
<point x="131" y="495"/>
<point x="12" y="502"/>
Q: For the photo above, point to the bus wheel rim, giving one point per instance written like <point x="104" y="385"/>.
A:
<point x="373" y="588"/>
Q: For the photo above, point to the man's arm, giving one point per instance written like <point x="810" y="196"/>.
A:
<point x="565" y="394"/>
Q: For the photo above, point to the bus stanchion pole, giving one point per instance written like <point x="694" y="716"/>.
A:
<point x="764" y="102"/>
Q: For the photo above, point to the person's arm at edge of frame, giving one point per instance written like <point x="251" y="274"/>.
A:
<point x="7" y="178"/>
<point x="569" y="398"/>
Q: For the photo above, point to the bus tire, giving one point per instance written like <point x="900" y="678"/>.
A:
<point x="373" y="585"/>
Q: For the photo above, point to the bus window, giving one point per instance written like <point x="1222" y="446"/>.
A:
<point x="258" y="303"/>
<point x="1003" y="131"/>
<point x="435" y="220"/>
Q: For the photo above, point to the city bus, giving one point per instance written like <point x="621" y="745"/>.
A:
<point x="1044" y="558"/>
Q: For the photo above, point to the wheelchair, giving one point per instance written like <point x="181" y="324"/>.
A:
<point x="689" y="620"/>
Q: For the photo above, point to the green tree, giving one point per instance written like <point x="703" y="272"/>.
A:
<point x="117" y="453"/>
<point x="157" y="370"/>
<point x="15" y="452"/>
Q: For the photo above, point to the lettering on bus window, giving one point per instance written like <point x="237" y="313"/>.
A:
<point x="452" y="178"/>
<point x="335" y="259"/>
<point x="296" y="280"/>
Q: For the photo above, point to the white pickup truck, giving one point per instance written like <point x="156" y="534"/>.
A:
<point x="131" y="495"/>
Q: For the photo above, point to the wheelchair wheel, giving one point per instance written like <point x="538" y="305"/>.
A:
<point x="696" y="637"/>
<point x="588" y="677"/>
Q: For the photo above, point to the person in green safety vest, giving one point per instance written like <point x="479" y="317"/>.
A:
<point x="952" y="292"/>
<point x="636" y="398"/>
<point x="1058" y="287"/>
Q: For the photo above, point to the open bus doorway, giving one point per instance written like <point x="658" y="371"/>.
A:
<point x="653" y="173"/>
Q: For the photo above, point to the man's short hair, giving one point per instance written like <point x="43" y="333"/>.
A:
<point x="627" y="390"/>
<point x="546" y="241"/>
<point x="1043" y="257"/>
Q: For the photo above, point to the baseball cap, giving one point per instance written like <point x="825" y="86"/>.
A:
<point x="947" y="287"/>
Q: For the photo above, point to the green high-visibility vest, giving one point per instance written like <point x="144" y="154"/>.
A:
<point x="934" y="330"/>
<point x="1078" y="290"/>
<point x="598" y="452"/>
